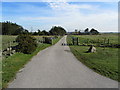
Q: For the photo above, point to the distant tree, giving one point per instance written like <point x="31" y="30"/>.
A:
<point x="9" y="28"/>
<point x="25" y="32"/>
<point x="44" y="32"/>
<point x="79" y="32"/>
<point x="39" y="32"/>
<point x="18" y="31"/>
<point x="76" y="31"/>
<point x="86" y="31"/>
<point x="57" y="30"/>
<point x="35" y="33"/>
<point x="94" y="32"/>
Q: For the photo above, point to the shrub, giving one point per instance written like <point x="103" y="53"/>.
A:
<point x="26" y="44"/>
<point x="55" y="36"/>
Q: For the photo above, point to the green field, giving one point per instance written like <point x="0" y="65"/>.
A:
<point x="12" y="64"/>
<point x="104" y="61"/>
<point x="6" y="39"/>
<point x="98" y="39"/>
<point x="41" y="38"/>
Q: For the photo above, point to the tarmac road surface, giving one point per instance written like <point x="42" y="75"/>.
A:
<point x="57" y="67"/>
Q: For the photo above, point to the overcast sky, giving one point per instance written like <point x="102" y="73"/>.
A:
<point x="102" y="16"/>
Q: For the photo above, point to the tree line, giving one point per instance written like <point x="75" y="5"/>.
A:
<point x="86" y="32"/>
<point x="9" y="28"/>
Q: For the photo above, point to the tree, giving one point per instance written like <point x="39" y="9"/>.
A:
<point x="76" y="31"/>
<point x="44" y="32"/>
<point x="9" y="28"/>
<point x="86" y="31"/>
<point x="57" y="31"/>
<point x="25" y="32"/>
<point x="18" y="31"/>
<point x="35" y="33"/>
<point x="79" y="32"/>
<point x="94" y="32"/>
<point x="26" y="43"/>
<point x="39" y="32"/>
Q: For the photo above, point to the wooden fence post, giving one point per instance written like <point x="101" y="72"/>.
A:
<point x="104" y="41"/>
<point x="77" y="40"/>
<point x="98" y="40"/>
<point x="108" y="41"/>
<point x="73" y="41"/>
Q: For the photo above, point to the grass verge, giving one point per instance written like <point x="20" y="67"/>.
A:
<point x="12" y="64"/>
<point x="104" y="61"/>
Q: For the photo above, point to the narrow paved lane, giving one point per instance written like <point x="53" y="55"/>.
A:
<point x="56" y="67"/>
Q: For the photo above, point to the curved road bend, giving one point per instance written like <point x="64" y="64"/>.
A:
<point x="56" y="67"/>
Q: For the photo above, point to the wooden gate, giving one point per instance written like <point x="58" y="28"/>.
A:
<point x="47" y="40"/>
<point x="75" y="40"/>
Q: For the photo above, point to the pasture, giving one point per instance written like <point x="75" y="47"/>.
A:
<point x="7" y="41"/>
<point x="104" y="61"/>
<point x="97" y="40"/>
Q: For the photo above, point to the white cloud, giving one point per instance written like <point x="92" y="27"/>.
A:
<point x="71" y="17"/>
<point x="102" y="22"/>
<point x="67" y="6"/>
<point x="60" y="0"/>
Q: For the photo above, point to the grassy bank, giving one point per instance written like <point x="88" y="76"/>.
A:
<point x="12" y="64"/>
<point x="104" y="61"/>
